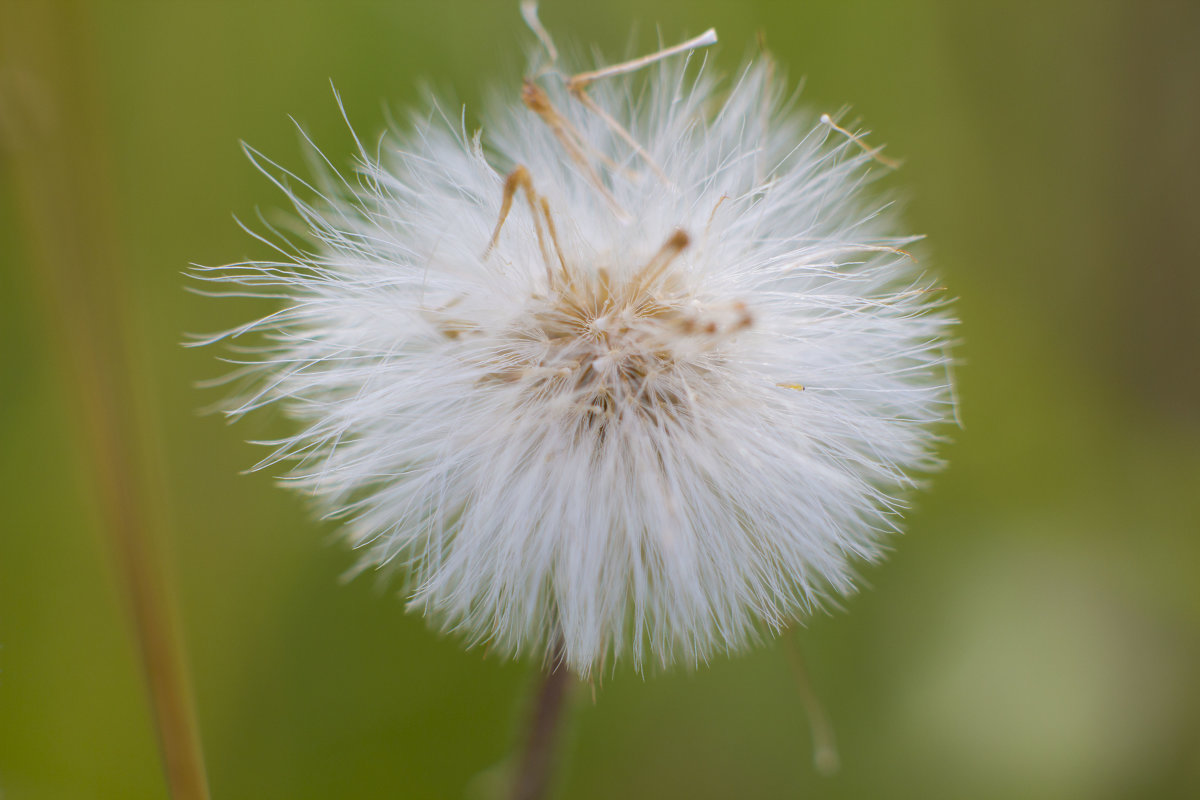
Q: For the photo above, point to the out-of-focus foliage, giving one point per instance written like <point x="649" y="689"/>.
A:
<point x="1036" y="633"/>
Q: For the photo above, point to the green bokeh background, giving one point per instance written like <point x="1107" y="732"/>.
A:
<point x="1035" y="634"/>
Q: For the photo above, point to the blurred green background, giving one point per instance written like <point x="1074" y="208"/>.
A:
<point x="1036" y="633"/>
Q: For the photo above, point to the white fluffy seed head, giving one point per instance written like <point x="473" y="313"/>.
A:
<point x="661" y="408"/>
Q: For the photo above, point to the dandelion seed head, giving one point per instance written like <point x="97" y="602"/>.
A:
<point x="642" y="366"/>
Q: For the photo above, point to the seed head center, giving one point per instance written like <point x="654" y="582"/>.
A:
<point x="608" y="348"/>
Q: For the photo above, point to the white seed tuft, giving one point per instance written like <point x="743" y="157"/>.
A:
<point x="643" y="366"/>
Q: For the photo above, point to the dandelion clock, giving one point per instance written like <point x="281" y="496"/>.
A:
<point x="639" y="372"/>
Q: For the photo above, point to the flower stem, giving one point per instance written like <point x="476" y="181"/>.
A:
<point x="537" y="762"/>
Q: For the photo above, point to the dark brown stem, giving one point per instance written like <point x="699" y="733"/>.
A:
<point x="537" y="762"/>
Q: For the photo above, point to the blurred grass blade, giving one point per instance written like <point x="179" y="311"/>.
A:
<point x="51" y="135"/>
